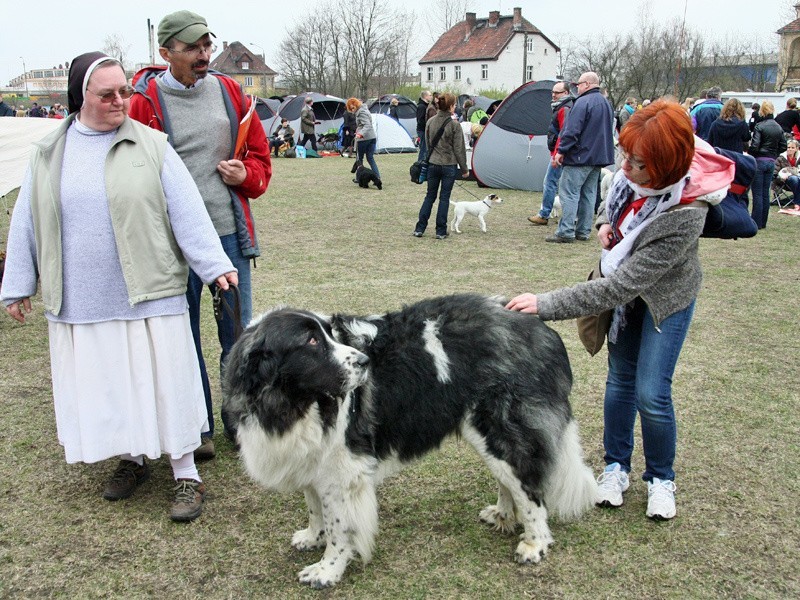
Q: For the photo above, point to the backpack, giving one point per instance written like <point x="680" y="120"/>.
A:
<point x="730" y="219"/>
<point x="477" y="115"/>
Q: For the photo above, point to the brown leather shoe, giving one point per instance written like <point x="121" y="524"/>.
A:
<point x="188" y="503"/>
<point x="128" y="476"/>
<point x="206" y="450"/>
<point x="537" y="220"/>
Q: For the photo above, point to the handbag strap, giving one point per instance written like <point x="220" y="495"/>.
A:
<point x="436" y="139"/>
<point x="221" y="306"/>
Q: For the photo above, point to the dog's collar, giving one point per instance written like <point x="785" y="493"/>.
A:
<point x="489" y="204"/>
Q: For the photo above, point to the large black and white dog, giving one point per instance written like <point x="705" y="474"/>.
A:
<point x="331" y="405"/>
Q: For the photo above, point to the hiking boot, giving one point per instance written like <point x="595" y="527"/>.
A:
<point x="661" y="499"/>
<point x="582" y="238"/>
<point x="206" y="450"/>
<point x="537" y="220"/>
<point x="188" y="503"/>
<point x="559" y="240"/>
<point x="610" y="486"/>
<point x="128" y="476"/>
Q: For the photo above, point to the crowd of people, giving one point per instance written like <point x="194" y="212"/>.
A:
<point x="129" y="376"/>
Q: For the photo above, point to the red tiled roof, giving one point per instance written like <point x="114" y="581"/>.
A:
<point x="230" y="61"/>
<point x="793" y="27"/>
<point x="483" y="42"/>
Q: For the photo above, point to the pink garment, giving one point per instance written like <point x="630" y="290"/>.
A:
<point x="709" y="171"/>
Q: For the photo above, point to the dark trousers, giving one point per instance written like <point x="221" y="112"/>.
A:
<point x="307" y="137"/>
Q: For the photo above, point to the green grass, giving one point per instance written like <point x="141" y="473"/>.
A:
<point x="330" y="246"/>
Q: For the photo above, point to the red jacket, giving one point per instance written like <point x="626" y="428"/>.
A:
<point x="146" y="107"/>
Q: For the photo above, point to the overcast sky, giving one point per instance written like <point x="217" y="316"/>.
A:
<point x="55" y="33"/>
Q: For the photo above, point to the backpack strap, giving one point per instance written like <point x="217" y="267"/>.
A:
<point x="436" y="139"/>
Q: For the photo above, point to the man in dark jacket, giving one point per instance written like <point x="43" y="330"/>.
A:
<point x="5" y="109"/>
<point x="585" y="146"/>
<point x="706" y="112"/>
<point x="422" y="110"/>
<point x="562" y="102"/>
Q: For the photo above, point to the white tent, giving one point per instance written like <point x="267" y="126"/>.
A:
<point x="392" y="137"/>
<point x="16" y="137"/>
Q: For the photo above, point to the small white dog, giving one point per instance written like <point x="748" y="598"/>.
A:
<point x="555" y="212"/>
<point x="479" y="208"/>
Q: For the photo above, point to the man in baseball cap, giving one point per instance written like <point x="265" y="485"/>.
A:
<point x="184" y="25"/>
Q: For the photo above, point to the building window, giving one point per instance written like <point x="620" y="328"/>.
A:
<point x="545" y="51"/>
<point x="484" y="71"/>
<point x="457" y="72"/>
<point x="430" y="73"/>
<point x="529" y="73"/>
<point x="530" y="45"/>
<point x="245" y="65"/>
<point x="442" y="73"/>
<point x="248" y="81"/>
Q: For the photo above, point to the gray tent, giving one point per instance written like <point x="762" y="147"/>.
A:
<point x="406" y="111"/>
<point x="512" y="153"/>
<point x="328" y="110"/>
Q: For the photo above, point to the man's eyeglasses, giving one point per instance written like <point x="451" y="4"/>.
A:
<point x="196" y="50"/>
<point x="108" y="97"/>
<point x="577" y="83"/>
<point x="558" y="92"/>
<point x="634" y="164"/>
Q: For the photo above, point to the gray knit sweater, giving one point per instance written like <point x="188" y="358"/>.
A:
<point x="663" y="268"/>
<point x="94" y="287"/>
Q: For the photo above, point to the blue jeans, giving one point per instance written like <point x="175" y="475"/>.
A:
<point x="640" y="368"/>
<point x="423" y="146"/>
<point x="550" y="190"/>
<point x="368" y="147"/>
<point x="794" y="184"/>
<point x="446" y="176"/>
<point x="761" y="183"/>
<point x="225" y="329"/>
<point x="577" y="191"/>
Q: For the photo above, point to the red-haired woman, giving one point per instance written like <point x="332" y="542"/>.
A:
<point x="651" y="278"/>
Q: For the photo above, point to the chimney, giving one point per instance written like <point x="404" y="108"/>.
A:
<point x="494" y="17"/>
<point x="797" y="8"/>
<point x="224" y="46"/>
<point x="517" y="18"/>
<point x="470" y="25"/>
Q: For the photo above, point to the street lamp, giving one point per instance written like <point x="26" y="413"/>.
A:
<point x="25" y="76"/>
<point x="263" y="57"/>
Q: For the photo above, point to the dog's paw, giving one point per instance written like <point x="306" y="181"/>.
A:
<point x="505" y="522"/>
<point x="531" y="551"/>
<point x="318" y="577"/>
<point x="306" y="540"/>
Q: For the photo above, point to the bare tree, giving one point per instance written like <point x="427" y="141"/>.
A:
<point x="114" y="45"/>
<point x="441" y="15"/>
<point x="608" y="58"/>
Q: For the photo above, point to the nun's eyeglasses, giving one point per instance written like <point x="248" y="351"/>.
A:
<point x="108" y="97"/>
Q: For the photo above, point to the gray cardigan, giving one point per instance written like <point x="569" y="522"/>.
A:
<point x="663" y="268"/>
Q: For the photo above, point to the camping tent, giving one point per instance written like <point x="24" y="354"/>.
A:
<point x="16" y="137"/>
<point x="406" y="111"/>
<point x="512" y="152"/>
<point x="266" y="111"/>
<point x="392" y="137"/>
<point x="328" y="111"/>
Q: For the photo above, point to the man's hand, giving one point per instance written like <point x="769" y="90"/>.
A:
<point x="233" y="172"/>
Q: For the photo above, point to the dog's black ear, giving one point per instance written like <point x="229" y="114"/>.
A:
<point x="250" y="365"/>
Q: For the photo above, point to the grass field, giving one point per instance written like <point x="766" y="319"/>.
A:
<point x="328" y="245"/>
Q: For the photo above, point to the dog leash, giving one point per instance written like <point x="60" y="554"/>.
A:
<point x="221" y="306"/>
<point x="461" y="185"/>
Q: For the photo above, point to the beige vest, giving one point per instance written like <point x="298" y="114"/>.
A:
<point x="152" y="263"/>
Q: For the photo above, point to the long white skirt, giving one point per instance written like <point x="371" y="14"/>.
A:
<point x="126" y="387"/>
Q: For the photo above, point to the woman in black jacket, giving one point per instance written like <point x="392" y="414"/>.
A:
<point x="729" y="131"/>
<point x="767" y="144"/>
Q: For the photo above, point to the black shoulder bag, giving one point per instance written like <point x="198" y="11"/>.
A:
<point x="419" y="170"/>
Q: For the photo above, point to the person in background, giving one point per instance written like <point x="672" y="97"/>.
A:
<point x="307" y="124"/>
<point x="448" y="155"/>
<point x="754" y="117"/>
<point x="766" y="145"/>
<point x="393" y="109"/>
<point x="625" y="112"/>
<point x="283" y="134"/>
<point x="706" y="112"/>
<point x="649" y="231"/>
<point x="729" y="131"/>
<point x="366" y="138"/>
<point x="5" y="109"/>
<point x="110" y="246"/>
<point x="422" y="118"/>
<point x="789" y="119"/>
<point x="200" y="110"/>
<point x="586" y="144"/>
<point x="787" y="169"/>
<point x="561" y="104"/>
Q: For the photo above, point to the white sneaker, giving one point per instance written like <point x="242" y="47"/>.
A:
<point x="611" y="484"/>
<point x="661" y="499"/>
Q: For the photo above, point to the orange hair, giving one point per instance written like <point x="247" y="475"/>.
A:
<point x="661" y="136"/>
<point x="353" y="104"/>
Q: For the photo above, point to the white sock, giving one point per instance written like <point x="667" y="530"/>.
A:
<point x="139" y="459"/>
<point x="184" y="467"/>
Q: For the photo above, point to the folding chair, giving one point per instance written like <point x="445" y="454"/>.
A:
<point x="782" y="194"/>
